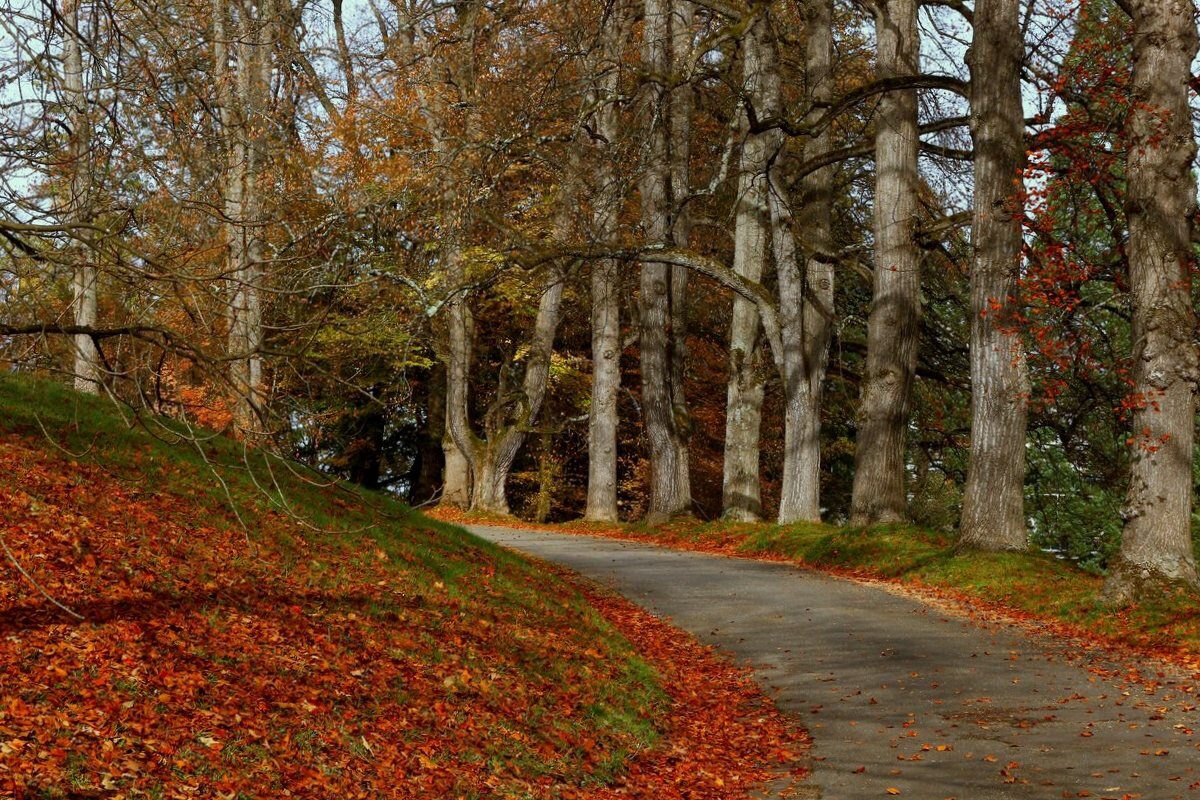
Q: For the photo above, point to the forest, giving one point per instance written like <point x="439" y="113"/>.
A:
<point x="778" y="260"/>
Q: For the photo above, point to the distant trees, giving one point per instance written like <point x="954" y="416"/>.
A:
<point x="648" y="258"/>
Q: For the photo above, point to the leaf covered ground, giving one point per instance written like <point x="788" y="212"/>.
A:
<point x="1031" y="587"/>
<point x="330" y="645"/>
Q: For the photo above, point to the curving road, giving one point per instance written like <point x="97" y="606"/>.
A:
<point x="900" y="696"/>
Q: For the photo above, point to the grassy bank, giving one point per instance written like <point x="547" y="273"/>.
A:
<point x="1027" y="586"/>
<point x="196" y="619"/>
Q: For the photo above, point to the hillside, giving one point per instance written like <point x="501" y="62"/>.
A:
<point x="246" y="630"/>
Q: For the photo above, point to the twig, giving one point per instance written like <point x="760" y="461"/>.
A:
<point x="13" y="560"/>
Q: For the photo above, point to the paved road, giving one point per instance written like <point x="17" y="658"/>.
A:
<point x="899" y="695"/>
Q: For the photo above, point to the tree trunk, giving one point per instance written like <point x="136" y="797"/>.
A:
<point x="993" y="513"/>
<point x="456" y="469"/>
<point x="506" y="429"/>
<point x="606" y="309"/>
<point x="1161" y="197"/>
<point x="87" y="362"/>
<point x="548" y="472"/>
<point x="681" y="102"/>
<point x="456" y="475"/>
<point x="242" y="101"/>
<point x="740" y="493"/>
<point x="669" y="495"/>
<point x="893" y="325"/>
<point x="491" y="464"/>
<point x="606" y="383"/>
<point x="460" y="479"/>
<point x="806" y="298"/>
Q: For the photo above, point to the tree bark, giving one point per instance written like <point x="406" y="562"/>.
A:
<point x="457" y="484"/>
<point x="1160" y="201"/>
<point x="669" y="493"/>
<point x="740" y="493"/>
<point x="606" y="308"/>
<point x="242" y="98"/>
<point x="806" y="292"/>
<point x="682" y="101"/>
<point x="993" y="512"/>
<point x="606" y="383"/>
<point x="86" y="362"/>
<point x="893" y="324"/>
<point x="508" y="423"/>
<point x="456" y="74"/>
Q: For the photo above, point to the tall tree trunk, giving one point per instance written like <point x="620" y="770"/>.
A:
<point x="456" y="475"/>
<point x="806" y="299"/>
<point x="740" y="494"/>
<point x="460" y="445"/>
<point x="1159" y="204"/>
<point x="681" y="100"/>
<point x="993" y="513"/>
<point x="507" y="429"/>
<point x="893" y="325"/>
<point x="606" y="383"/>
<point x="457" y="484"/>
<point x="669" y="495"/>
<point x="242" y="100"/>
<point x="606" y="308"/>
<point x="460" y="478"/>
<point x="87" y="362"/>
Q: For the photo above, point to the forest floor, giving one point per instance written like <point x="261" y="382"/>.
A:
<point x="907" y="698"/>
<point x="1031" y="588"/>
<point x="193" y="619"/>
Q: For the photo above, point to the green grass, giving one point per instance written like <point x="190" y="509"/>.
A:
<point x="1032" y="583"/>
<point x="283" y="508"/>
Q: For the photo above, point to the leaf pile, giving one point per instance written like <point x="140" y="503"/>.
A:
<point x="725" y="736"/>
<point x="398" y="658"/>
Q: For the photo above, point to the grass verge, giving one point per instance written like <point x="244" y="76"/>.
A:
<point x="1029" y="586"/>
<point x="244" y="628"/>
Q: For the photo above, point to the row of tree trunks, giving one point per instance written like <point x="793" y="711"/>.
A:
<point x="893" y="324"/>
<point x="1161" y="198"/>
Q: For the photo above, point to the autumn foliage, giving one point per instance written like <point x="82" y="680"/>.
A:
<point x="373" y="655"/>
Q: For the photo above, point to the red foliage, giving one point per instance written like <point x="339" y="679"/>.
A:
<point x="725" y="736"/>
<point x="208" y="666"/>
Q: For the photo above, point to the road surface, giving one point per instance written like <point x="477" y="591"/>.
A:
<point x="901" y="696"/>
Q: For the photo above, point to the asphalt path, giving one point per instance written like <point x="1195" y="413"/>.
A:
<point x="902" y="697"/>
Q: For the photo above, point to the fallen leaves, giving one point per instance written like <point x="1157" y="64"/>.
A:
<point x="310" y="666"/>
<point x="1169" y="631"/>
<point x="728" y="733"/>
